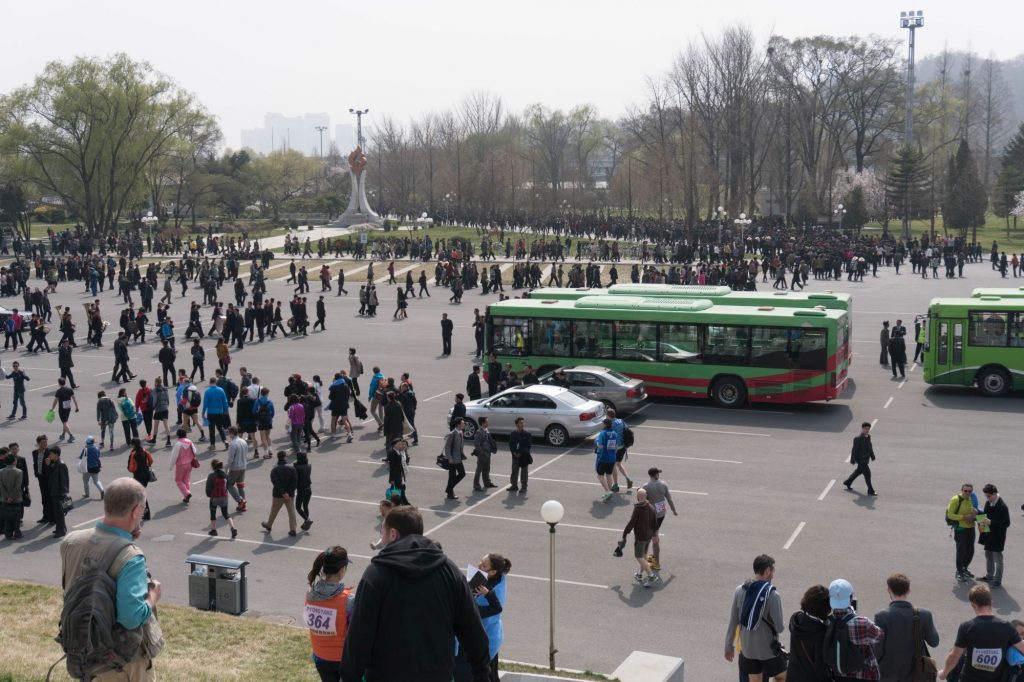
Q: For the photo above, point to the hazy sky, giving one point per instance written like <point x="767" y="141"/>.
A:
<point x="403" y="58"/>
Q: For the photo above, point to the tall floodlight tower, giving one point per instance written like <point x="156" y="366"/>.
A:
<point x="912" y="20"/>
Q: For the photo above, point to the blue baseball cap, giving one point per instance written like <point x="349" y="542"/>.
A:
<point x="839" y="593"/>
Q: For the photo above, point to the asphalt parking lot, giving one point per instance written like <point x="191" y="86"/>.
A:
<point x="760" y="479"/>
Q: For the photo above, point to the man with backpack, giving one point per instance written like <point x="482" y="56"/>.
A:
<point x="849" y="638"/>
<point x="757" y="610"/>
<point x="109" y="629"/>
<point x="620" y="454"/>
<point x="907" y="630"/>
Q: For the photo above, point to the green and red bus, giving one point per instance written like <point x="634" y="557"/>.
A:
<point x="977" y="341"/>
<point x="691" y="347"/>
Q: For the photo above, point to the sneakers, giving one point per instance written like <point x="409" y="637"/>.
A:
<point x="615" y="488"/>
<point x="629" y="483"/>
<point x="649" y="580"/>
<point x="512" y="489"/>
<point x="292" y="533"/>
<point x="213" y="533"/>
<point x="968" y="573"/>
<point x="71" y="438"/>
<point x="986" y="578"/>
<point x="234" y="533"/>
<point x="265" y="526"/>
<point x="607" y="496"/>
<point x="349" y="438"/>
<point x="186" y="498"/>
<point x="960" y="577"/>
<point x="639" y="577"/>
<point x="306" y="524"/>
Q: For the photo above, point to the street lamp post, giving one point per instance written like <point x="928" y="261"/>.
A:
<point x="839" y="213"/>
<point x="720" y="216"/>
<point x="359" y="124"/>
<point x="321" y="129"/>
<point x="149" y="220"/>
<point x="742" y="223"/>
<point x="552" y="512"/>
<point x="911" y="20"/>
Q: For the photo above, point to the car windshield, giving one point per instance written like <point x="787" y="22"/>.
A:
<point x="618" y="377"/>
<point x="572" y="399"/>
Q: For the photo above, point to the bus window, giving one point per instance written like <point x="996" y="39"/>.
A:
<point x="770" y="347"/>
<point x="988" y="329"/>
<point x="679" y="343"/>
<point x="727" y="345"/>
<point x="1017" y="329"/>
<point x="808" y="348"/>
<point x="943" y="356"/>
<point x="550" y="337"/>
<point x="592" y="339"/>
<point x="510" y="336"/>
<point x="636" y="341"/>
<point x="958" y="343"/>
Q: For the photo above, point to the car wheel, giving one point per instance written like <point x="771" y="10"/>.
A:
<point x="729" y="392"/>
<point x="470" y="428"/>
<point x="994" y="382"/>
<point x="609" y="405"/>
<point x="556" y="435"/>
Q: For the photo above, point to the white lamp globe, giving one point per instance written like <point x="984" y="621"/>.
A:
<point x="552" y="511"/>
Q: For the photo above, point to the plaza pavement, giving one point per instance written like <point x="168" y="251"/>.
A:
<point x="760" y="479"/>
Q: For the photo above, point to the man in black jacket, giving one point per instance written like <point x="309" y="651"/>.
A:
<point x="896" y="651"/>
<point x="59" y="484"/>
<point x="994" y="537"/>
<point x="411" y="604"/>
<point x="860" y="456"/>
<point x="519" y="443"/>
<point x="285" y="482"/>
<point x="473" y="389"/>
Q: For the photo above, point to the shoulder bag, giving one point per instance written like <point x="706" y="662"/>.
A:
<point x="925" y="669"/>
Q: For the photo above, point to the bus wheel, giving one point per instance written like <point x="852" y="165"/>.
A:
<point x="994" y="382"/>
<point x="556" y="435"/>
<point x="729" y="392"/>
<point x="470" y="428"/>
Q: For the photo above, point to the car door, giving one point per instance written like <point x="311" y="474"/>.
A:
<point x="538" y="410"/>
<point x="586" y="385"/>
<point x="501" y="412"/>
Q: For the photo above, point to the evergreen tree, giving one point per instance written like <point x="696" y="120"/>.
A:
<point x="1010" y="180"/>
<point x="964" y="204"/>
<point x="907" y="186"/>
<point x="856" y="208"/>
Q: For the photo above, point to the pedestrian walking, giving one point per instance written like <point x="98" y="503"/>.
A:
<point x="140" y="466"/>
<point x="355" y="370"/>
<point x="447" y="328"/>
<point x="238" y="460"/>
<point x="473" y="389"/>
<point x="756" y="610"/>
<point x="328" y="610"/>
<point x="18" y="376"/>
<point x="993" y="534"/>
<point x="216" y="412"/>
<point x="484" y="446"/>
<point x="490" y="602"/>
<point x="861" y="456"/>
<point x="620" y="453"/>
<point x="13" y="487"/>
<point x="398" y="468"/>
<point x="65" y="361"/>
<point x="605" y="448"/>
<point x="63" y="399"/>
<point x="183" y="461"/>
<point x="60" y="489"/>
<point x="453" y="452"/>
<point x="296" y="419"/>
<point x="303" y="489"/>
<point x="642" y="523"/>
<point x="89" y="465"/>
<point x="126" y="415"/>
<point x="807" y="637"/>
<point x="883" y="339"/>
<point x="40" y="467"/>
<point x="338" y="394"/>
<point x="394" y="417"/>
<point x="217" y="491"/>
<point x="898" y="355"/>
<point x="161" y="402"/>
<point x="519" y="443"/>
<point x="961" y="514"/>
<point x="660" y="498"/>
<point x="284" y="480"/>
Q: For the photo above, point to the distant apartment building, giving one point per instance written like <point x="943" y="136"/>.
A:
<point x="300" y="133"/>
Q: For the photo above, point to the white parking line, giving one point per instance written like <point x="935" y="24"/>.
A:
<point x="902" y="383"/>
<point x="792" y="538"/>
<point x="725" y="433"/>
<point x="436" y="396"/>
<point x="887" y="403"/>
<point x="695" y="459"/>
<point x="826" y="490"/>
<point x="499" y="491"/>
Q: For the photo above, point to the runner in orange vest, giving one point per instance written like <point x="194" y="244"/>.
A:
<point x="327" y="611"/>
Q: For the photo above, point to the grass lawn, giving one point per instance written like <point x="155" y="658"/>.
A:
<point x="993" y="230"/>
<point x="200" y="645"/>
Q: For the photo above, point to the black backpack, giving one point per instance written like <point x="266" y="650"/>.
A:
<point x="92" y="639"/>
<point x="627" y="436"/>
<point x="842" y="656"/>
<point x="194" y="398"/>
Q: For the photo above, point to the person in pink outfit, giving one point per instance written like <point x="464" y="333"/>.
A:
<point x="183" y="461"/>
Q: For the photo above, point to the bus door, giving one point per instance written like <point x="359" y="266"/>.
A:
<point x="948" y="351"/>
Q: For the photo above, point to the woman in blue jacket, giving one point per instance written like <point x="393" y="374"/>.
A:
<point x="490" y="601"/>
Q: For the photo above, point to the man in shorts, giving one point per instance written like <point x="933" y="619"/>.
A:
<point x="643" y="524"/>
<point x="757" y="610"/>
<point x="607" y="445"/>
<point x="661" y="499"/>
<point x="985" y="639"/>
<point x="620" y="452"/>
